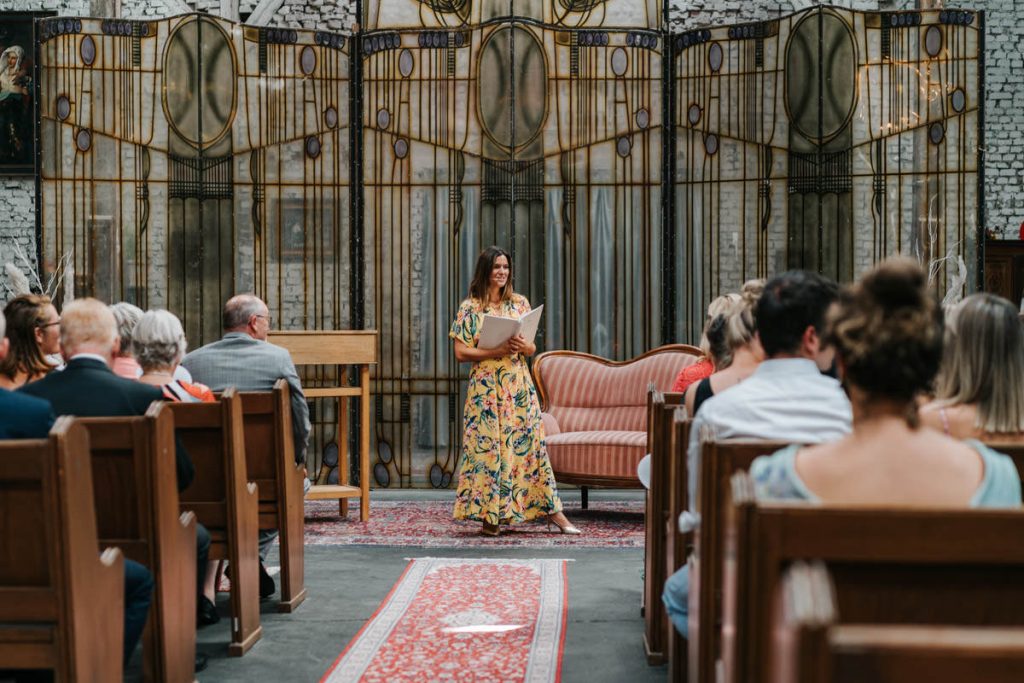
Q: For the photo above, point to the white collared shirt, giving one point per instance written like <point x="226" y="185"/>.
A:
<point x="785" y="399"/>
<point x="93" y="356"/>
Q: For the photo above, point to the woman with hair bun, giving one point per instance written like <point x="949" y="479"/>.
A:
<point x="980" y="391"/>
<point x="734" y="326"/>
<point x="714" y="352"/>
<point x="888" y="334"/>
<point x="33" y="328"/>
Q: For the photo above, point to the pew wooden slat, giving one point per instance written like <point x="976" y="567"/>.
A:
<point x="678" y="542"/>
<point x="889" y="565"/>
<point x="61" y="600"/>
<point x="137" y="510"/>
<point x="225" y="502"/>
<point x="813" y="646"/>
<point x="660" y="409"/>
<point x="270" y="462"/>
<point x="719" y="460"/>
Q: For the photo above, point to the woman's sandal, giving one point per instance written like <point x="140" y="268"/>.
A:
<point x="490" y="529"/>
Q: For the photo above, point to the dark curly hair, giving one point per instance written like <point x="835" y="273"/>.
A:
<point x="888" y="332"/>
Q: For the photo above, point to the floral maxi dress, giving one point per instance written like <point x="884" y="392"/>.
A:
<point x="505" y="476"/>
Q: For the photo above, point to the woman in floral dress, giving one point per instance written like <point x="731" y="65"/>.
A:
<point x="506" y="476"/>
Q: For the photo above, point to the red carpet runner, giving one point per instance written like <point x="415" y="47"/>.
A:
<point x="464" y="620"/>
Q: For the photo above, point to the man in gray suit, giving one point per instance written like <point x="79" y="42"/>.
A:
<point x="244" y="359"/>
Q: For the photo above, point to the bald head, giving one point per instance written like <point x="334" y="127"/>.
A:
<point x="247" y="313"/>
<point x="88" y="326"/>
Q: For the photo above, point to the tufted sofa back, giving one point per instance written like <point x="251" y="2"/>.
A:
<point x="588" y="393"/>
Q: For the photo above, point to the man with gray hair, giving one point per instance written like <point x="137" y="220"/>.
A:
<point x="245" y="360"/>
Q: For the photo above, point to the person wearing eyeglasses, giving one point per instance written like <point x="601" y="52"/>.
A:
<point x="244" y="359"/>
<point x="33" y="331"/>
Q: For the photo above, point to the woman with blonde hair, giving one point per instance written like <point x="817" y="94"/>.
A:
<point x="980" y="390"/>
<point x="739" y="334"/>
<point x="714" y="352"/>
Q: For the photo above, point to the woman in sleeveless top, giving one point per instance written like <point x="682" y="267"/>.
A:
<point x="736" y="327"/>
<point x="980" y="391"/>
<point x="887" y="330"/>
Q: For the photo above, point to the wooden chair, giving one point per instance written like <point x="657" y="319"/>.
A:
<point x="660" y="409"/>
<point x="889" y="565"/>
<point x="678" y="541"/>
<point x="61" y="600"/>
<point x="719" y="461"/>
<point x="270" y="462"/>
<point x="225" y="502"/>
<point x="137" y="510"/>
<point x="812" y="645"/>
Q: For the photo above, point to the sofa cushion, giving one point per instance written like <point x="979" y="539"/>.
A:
<point x="608" y="453"/>
<point x="586" y="393"/>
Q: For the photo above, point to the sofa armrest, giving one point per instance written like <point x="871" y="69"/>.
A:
<point x="550" y="424"/>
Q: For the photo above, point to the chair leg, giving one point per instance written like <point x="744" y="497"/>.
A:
<point x="584" y="503"/>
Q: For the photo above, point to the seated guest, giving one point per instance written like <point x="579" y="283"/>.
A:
<point x="740" y="337"/>
<point x="159" y="347"/>
<point x="713" y="356"/>
<point x="88" y="388"/>
<point x="980" y="389"/>
<point x="34" y="333"/>
<point x="127" y="316"/>
<point x="887" y="331"/>
<point x="245" y="360"/>
<point x="21" y="416"/>
<point x="27" y="417"/>
<point x="786" y="398"/>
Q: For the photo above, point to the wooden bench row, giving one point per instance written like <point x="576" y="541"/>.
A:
<point x="134" y="506"/>
<point x="704" y="550"/>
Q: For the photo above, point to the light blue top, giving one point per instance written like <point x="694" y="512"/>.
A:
<point x="775" y="477"/>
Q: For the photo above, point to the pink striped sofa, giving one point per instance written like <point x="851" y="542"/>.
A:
<point x="595" y="411"/>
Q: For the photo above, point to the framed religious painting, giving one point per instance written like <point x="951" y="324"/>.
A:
<point x="18" y="92"/>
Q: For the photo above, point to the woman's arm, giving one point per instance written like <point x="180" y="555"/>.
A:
<point x="471" y="354"/>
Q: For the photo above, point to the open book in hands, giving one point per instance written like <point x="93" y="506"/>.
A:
<point x="496" y="330"/>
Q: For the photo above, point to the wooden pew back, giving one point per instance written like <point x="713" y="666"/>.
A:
<point x="61" y="600"/>
<point x="137" y="510"/>
<point x="660" y="409"/>
<point x="270" y="462"/>
<point x="812" y="644"/>
<point x="889" y="565"/>
<point x="678" y="541"/>
<point x="719" y="461"/>
<point x="225" y="502"/>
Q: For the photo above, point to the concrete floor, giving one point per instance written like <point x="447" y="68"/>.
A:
<point x="347" y="583"/>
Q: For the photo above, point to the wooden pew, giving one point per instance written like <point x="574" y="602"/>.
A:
<point x="719" y="461"/>
<point x="890" y="566"/>
<point x="814" y="647"/>
<point x="660" y="409"/>
<point x="61" y="601"/>
<point x="270" y="462"/>
<point x="678" y="542"/>
<point x="136" y="498"/>
<point x="225" y="502"/>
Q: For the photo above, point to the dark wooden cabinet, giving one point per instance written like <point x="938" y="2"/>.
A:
<point x="1004" y="268"/>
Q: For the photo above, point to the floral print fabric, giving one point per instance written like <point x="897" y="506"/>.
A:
<point x="505" y="476"/>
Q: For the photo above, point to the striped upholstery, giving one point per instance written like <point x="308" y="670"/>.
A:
<point x="605" y="454"/>
<point x="596" y="411"/>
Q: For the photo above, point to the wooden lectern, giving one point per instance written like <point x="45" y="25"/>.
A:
<point x="343" y="347"/>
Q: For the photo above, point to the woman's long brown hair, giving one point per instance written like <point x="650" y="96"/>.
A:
<point x="482" y="274"/>
<point x="24" y="314"/>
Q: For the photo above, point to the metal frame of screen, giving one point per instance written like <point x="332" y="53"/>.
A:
<point x="351" y="180"/>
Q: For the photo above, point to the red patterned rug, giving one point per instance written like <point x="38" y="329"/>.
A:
<point x="429" y="524"/>
<point x="464" y="620"/>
